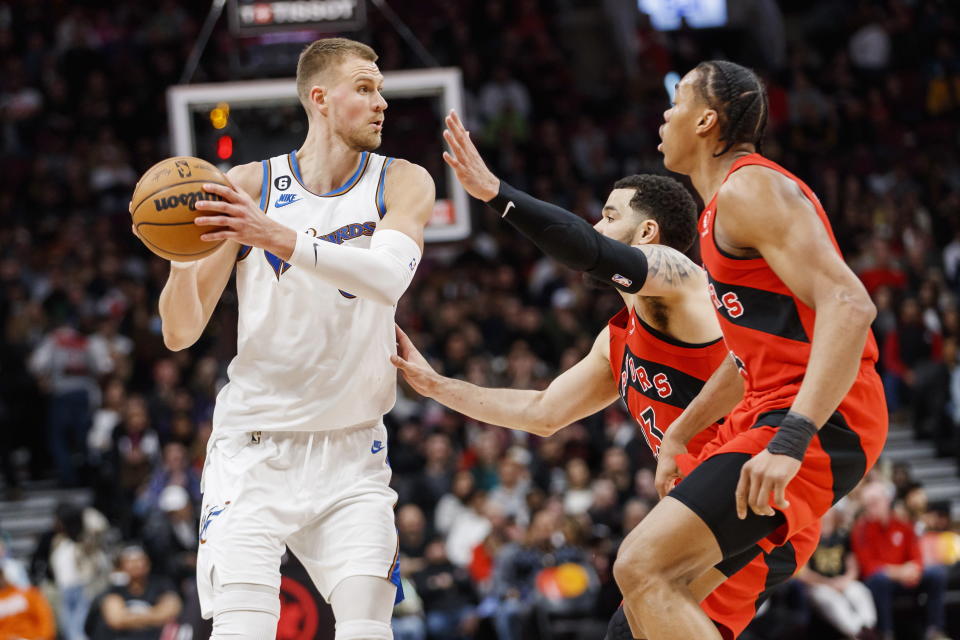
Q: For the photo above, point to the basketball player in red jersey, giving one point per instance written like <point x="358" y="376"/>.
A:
<point x="655" y="353"/>
<point x="813" y="418"/>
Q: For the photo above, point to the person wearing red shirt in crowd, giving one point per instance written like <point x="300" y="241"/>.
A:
<point x="888" y="552"/>
<point x="884" y="271"/>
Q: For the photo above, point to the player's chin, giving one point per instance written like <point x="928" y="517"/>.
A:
<point x="368" y="142"/>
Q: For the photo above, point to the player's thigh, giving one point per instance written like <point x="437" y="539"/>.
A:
<point x="246" y="515"/>
<point x="355" y="536"/>
<point x="709" y="493"/>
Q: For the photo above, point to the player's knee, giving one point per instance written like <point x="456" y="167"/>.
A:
<point x="364" y="630"/>
<point x="246" y="611"/>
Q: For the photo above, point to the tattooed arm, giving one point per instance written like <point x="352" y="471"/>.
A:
<point x="669" y="272"/>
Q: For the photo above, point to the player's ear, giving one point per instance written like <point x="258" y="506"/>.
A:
<point x="648" y="232"/>
<point x="709" y="119"/>
<point x="318" y="98"/>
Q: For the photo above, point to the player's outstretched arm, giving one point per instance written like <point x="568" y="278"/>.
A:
<point x="381" y="272"/>
<point x="787" y="232"/>
<point x="719" y="395"/>
<point x="194" y="288"/>
<point x="651" y="270"/>
<point x="580" y="391"/>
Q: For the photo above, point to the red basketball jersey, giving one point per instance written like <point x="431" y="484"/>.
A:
<point x="658" y="376"/>
<point x="769" y="330"/>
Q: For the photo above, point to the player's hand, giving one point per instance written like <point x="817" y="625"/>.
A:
<point x="466" y="162"/>
<point x="668" y="473"/>
<point x="242" y="221"/>
<point x="414" y="367"/>
<point x="762" y="475"/>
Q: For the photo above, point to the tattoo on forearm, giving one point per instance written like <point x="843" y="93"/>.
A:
<point x="669" y="265"/>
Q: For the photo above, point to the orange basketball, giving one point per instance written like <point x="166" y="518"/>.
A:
<point x="164" y="206"/>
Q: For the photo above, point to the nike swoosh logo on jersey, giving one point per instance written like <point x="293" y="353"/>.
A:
<point x="285" y="199"/>
<point x="377" y="447"/>
<point x="507" y="210"/>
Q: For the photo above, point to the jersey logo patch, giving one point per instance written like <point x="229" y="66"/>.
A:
<point x="282" y="183"/>
<point x="211" y="513"/>
<point x="377" y="447"/>
<point x="621" y="280"/>
<point x="285" y="199"/>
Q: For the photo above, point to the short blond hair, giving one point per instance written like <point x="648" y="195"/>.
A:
<point x="321" y="55"/>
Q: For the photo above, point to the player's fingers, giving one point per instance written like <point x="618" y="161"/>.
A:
<point x="455" y="120"/>
<point x="759" y="496"/>
<point x="220" y="190"/>
<point x="214" y="221"/>
<point x="452" y="161"/>
<point x="454" y="144"/>
<point x="222" y="206"/>
<point x="398" y="362"/>
<point x="218" y="235"/>
<point x="780" y="495"/>
<point x="743" y="486"/>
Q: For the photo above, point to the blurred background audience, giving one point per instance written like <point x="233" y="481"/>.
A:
<point x="496" y="527"/>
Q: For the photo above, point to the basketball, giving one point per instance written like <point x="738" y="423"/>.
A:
<point x="164" y="206"/>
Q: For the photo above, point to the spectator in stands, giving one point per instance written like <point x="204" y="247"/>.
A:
<point x="452" y="504"/>
<point x="24" y="613"/>
<point x="515" y="573"/>
<point x="448" y="595"/>
<point x="832" y="584"/>
<point x="136" y="449"/>
<point x="170" y="535"/>
<point x="910" y="353"/>
<point x="140" y="608"/>
<point x="69" y="365"/>
<point x="413" y="536"/>
<point x="72" y="558"/>
<point x="436" y="474"/>
<point x="888" y="552"/>
<point x="174" y="471"/>
<point x="511" y="494"/>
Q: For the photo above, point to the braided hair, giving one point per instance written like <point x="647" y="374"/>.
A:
<point x="739" y="97"/>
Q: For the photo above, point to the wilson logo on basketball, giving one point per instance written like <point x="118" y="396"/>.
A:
<point x="188" y="199"/>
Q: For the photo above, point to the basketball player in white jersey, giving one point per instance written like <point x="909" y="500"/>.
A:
<point x="298" y="452"/>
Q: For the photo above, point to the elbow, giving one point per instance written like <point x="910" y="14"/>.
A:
<point x="860" y="309"/>
<point x="176" y="341"/>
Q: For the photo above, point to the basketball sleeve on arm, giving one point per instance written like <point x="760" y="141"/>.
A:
<point x="381" y="273"/>
<point x="571" y="240"/>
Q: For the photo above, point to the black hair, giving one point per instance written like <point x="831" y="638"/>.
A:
<point x="739" y="97"/>
<point x="669" y="203"/>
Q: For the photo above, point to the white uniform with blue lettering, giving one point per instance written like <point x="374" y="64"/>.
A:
<point x="298" y="451"/>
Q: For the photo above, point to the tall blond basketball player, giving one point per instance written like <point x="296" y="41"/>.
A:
<point x="298" y="452"/>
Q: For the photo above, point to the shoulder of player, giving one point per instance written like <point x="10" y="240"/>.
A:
<point x="409" y="189"/>
<point x="674" y="266"/>
<point x="405" y="177"/>
<point x="740" y="195"/>
<point x="247" y="177"/>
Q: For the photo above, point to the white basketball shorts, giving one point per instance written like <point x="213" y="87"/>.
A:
<point x="323" y="494"/>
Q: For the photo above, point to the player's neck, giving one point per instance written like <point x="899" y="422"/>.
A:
<point x="710" y="172"/>
<point x="325" y="161"/>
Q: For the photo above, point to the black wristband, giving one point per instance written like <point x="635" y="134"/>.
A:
<point x="793" y="436"/>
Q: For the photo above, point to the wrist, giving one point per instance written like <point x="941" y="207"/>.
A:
<point x="282" y="241"/>
<point x="793" y="436"/>
<point x="177" y="267"/>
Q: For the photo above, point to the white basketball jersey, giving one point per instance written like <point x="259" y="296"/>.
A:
<point x="309" y="356"/>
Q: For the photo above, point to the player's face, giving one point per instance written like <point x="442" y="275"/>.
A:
<point x="618" y="220"/>
<point x="681" y="125"/>
<point x="356" y="105"/>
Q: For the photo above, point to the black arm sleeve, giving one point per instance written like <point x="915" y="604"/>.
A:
<point x="571" y="241"/>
